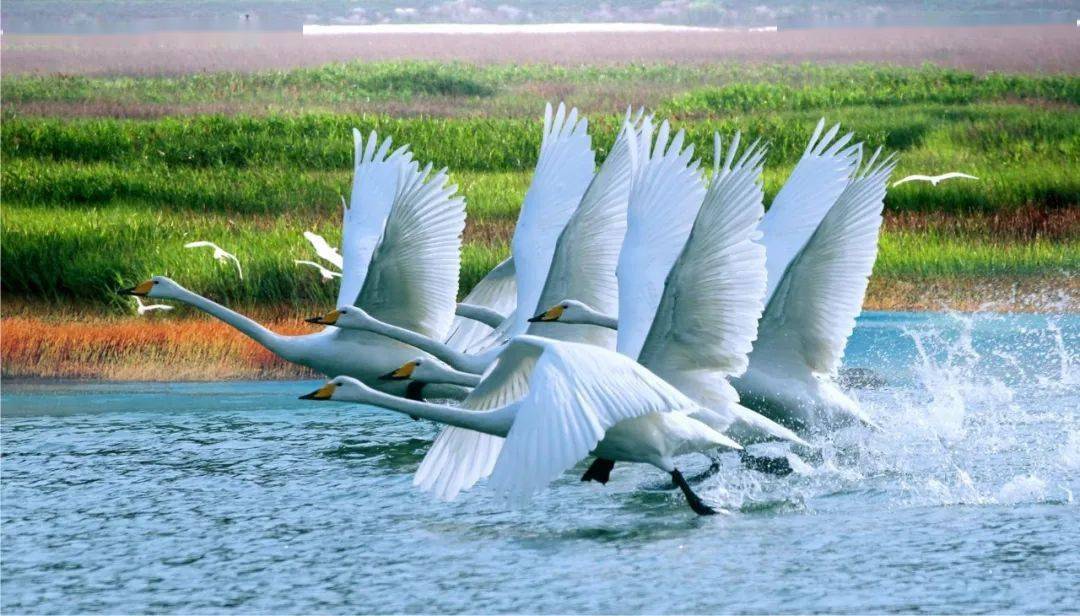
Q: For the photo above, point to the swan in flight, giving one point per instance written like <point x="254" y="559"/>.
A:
<point x="691" y="280"/>
<point x="934" y="179"/>
<point x="555" y="402"/>
<point x="142" y="308"/>
<point x="401" y="246"/>
<point x="326" y="274"/>
<point x="812" y="309"/>
<point x="219" y="254"/>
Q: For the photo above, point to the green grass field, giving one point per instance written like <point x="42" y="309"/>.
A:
<point x="94" y="202"/>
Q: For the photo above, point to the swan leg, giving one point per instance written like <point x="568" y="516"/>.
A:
<point x="692" y="499"/>
<point x="599" y="471"/>
<point x="714" y="468"/>
<point x="414" y="391"/>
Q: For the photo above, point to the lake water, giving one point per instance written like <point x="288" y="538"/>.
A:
<point x="238" y="497"/>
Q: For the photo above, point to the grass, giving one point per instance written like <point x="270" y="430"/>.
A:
<point x="90" y="204"/>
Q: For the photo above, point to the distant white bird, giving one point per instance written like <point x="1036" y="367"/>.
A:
<point x="934" y="179"/>
<point x="144" y="308"/>
<point x="219" y="254"/>
<point x="324" y="250"/>
<point x="325" y="273"/>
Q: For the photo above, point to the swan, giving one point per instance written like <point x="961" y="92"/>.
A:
<point x="934" y="179"/>
<point x="401" y="249"/>
<point x="811" y="313"/>
<point x="582" y="260"/>
<point x="326" y="274"/>
<point x="555" y="402"/>
<point x="691" y="281"/>
<point x="219" y="253"/>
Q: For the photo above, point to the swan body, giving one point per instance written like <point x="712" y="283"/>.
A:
<point x="219" y="253"/>
<point x="934" y="179"/>
<point x="557" y="402"/>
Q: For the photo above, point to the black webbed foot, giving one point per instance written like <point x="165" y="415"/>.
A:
<point x="599" y="470"/>
<point x="692" y="499"/>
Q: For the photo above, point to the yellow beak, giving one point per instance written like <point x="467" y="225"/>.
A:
<point x="404" y="372"/>
<point x="140" y="289"/>
<point x="322" y="393"/>
<point x="552" y="314"/>
<point x="328" y="319"/>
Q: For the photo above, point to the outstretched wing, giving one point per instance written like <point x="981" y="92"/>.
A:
<point x="563" y="172"/>
<point x="375" y="184"/>
<point x="576" y="393"/>
<point x="413" y="277"/>
<point x="816" y="182"/>
<point x="664" y="200"/>
<point x="459" y="458"/>
<point x="587" y="251"/>
<point x="498" y="291"/>
<point x="713" y="298"/>
<point x="808" y="320"/>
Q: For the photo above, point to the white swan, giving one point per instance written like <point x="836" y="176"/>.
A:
<point x="555" y="403"/>
<point x="142" y="308"/>
<point x="691" y="281"/>
<point x="811" y="314"/>
<point x="401" y="246"/>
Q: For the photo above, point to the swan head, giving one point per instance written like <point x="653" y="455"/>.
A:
<point x="341" y="388"/>
<point x="430" y="370"/>
<point x="346" y="317"/>
<point x="158" y="287"/>
<point x="567" y="311"/>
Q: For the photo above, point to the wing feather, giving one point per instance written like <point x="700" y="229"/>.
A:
<point x="663" y="203"/>
<point x="808" y="321"/>
<point x="713" y="297"/>
<point x="576" y="393"/>
<point x="563" y="172"/>
<point x="413" y="277"/>
<point x="813" y="187"/>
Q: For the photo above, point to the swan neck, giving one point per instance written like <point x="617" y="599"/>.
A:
<point x="496" y="422"/>
<point x="246" y="326"/>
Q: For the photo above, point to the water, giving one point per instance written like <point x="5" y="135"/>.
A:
<point x="239" y="497"/>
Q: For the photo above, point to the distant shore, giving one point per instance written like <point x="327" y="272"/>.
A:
<point x="1044" y="48"/>
<point x="188" y="346"/>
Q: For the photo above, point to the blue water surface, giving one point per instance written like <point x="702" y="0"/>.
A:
<point x="238" y="497"/>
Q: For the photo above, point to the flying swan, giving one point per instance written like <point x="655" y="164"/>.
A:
<point x="557" y="403"/>
<point x="219" y="254"/>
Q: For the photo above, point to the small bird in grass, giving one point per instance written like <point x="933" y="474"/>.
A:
<point x="219" y="254"/>
<point x="144" y="308"/>
<point x="934" y="179"/>
<point x="325" y="273"/>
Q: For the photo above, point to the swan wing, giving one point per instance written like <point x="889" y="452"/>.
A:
<point x="563" y="172"/>
<point x="375" y="182"/>
<point x="587" y="250"/>
<point x="459" y="457"/>
<point x="665" y="197"/>
<point x="814" y="186"/>
<point x="576" y="393"/>
<point x="498" y="291"/>
<point x="412" y="280"/>
<point x="714" y="295"/>
<point x="810" y="317"/>
<point x="201" y="244"/>
<point x="323" y="249"/>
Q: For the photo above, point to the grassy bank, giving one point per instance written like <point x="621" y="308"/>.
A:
<point x="94" y="203"/>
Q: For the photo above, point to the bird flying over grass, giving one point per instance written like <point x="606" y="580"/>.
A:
<point x="144" y="308"/>
<point x="219" y="254"/>
<point x="934" y="179"/>
<point x="325" y="273"/>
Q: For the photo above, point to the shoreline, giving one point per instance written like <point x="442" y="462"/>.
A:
<point x="42" y="345"/>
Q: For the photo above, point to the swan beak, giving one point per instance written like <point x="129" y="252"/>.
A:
<point x="328" y="319"/>
<point x="401" y="373"/>
<point x="322" y="393"/>
<point x="140" y="289"/>
<point x="551" y="314"/>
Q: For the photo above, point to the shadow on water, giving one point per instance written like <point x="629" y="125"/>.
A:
<point x="402" y="456"/>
